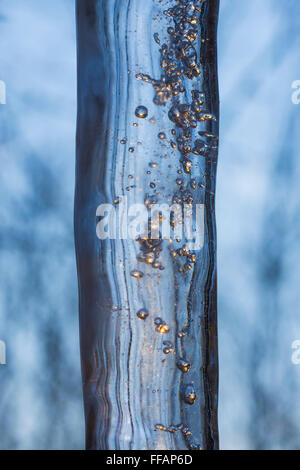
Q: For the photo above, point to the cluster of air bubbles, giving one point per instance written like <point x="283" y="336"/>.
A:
<point x="150" y="250"/>
<point x="179" y="62"/>
<point x="181" y="334"/>
<point x="188" y="113"/>
<point x="168" y="347"/>
<point x="188" y="257"/>
<point x="150" y="201"/>
<point x="185" y="431"/>
<point x="179" y="57"/>
<point x="183" y="365"/>
<point x="172" y="429"/>
<point x="161" y="326"/>
<point x="190" y="441"/>
<point x="194" y="139"/>
<point x="129" y="188"/>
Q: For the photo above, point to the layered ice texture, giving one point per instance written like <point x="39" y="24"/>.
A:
<point x="147" y="134"/>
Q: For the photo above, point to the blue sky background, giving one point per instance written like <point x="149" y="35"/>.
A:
<point x="258" y="202"/>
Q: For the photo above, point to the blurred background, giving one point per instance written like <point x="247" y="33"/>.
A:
<point x="258" y="214"/>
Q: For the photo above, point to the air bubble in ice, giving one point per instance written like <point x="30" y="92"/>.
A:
<point x="189" y="395"/>
<point x="141" y="112"/>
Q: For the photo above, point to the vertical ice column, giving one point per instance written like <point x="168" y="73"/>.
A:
<point x="147" y="135"/>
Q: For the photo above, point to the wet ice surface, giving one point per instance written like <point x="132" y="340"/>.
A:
<point x="258" y="54"/>
<point x="139" y="374"/>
